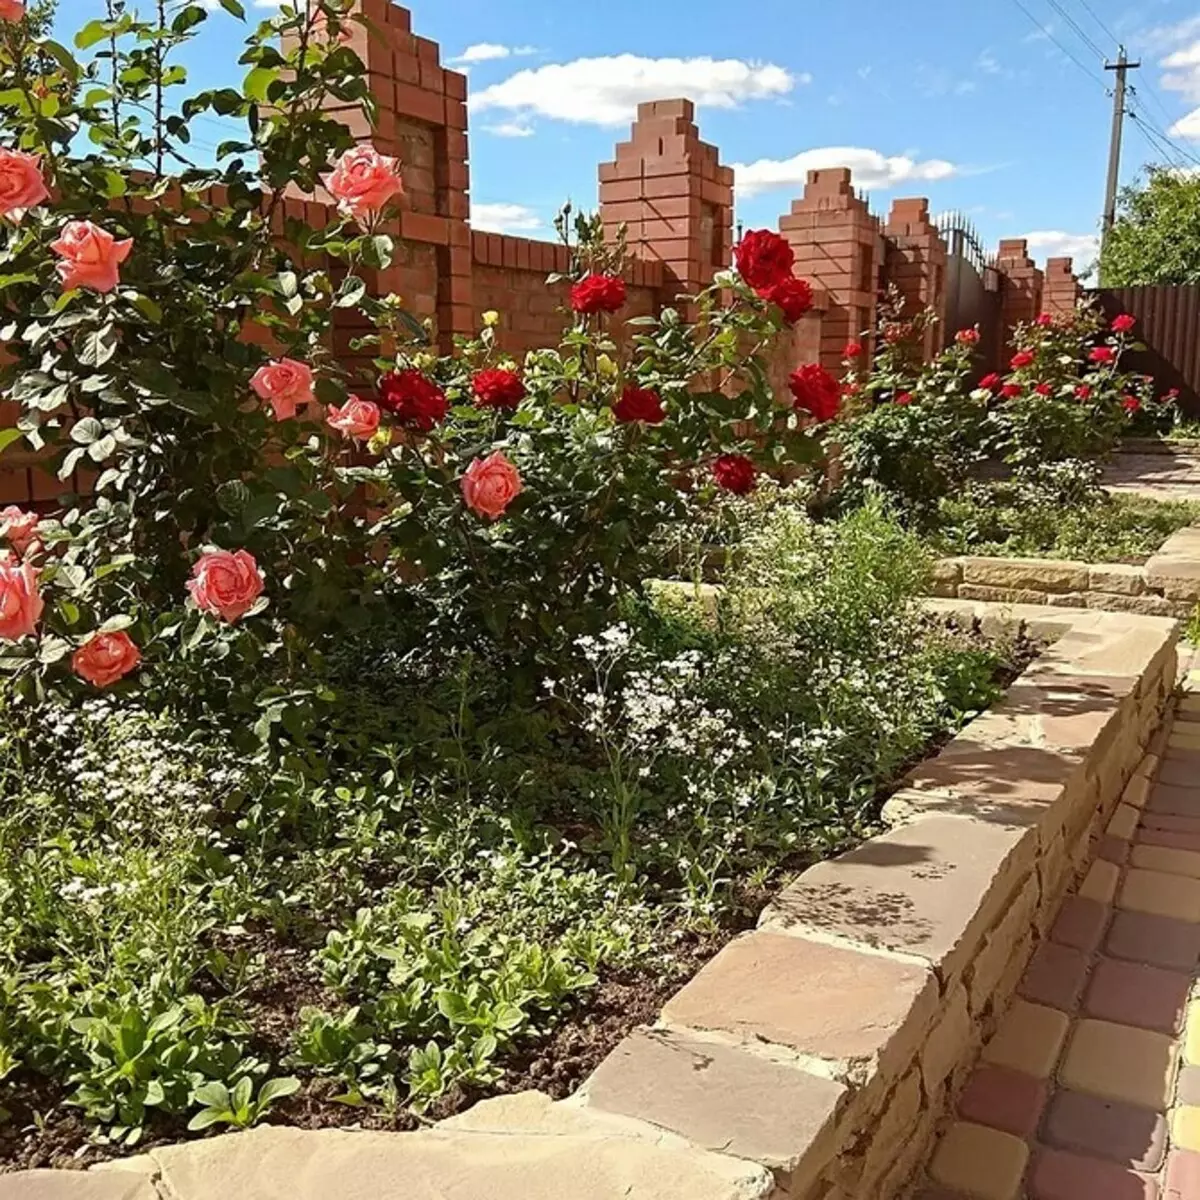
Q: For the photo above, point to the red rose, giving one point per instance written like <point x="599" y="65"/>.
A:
<point x="815" y="391"/>
<point x="1044" y="320"/>
<point x="1131" y="404"/>
<point x="497" y="388"/>
<point x="1171" y="396"/>
<point x="904" y="398"/>
<point x="852" y="350"/>
<point x="794" y="296"/>
<point x="1010" y="391"/>
<point x="1123" y="323"/>
<point x="967" y="337"/>
<point x="895" y="333"/>
<point x="1044" y="389"/>
<point x="1083" y="392"/>
<point x="764" y="259"/>
<point x="1103" y="354"/>
<point x="412" y="399"/>
<point x="991" y="382"/>
<point x="639" y="404"/>
<point x="851" y="389"/>
<point x="734" y="473"/>
<point x="1022" y="359"/>
<point x="598" y="293"/>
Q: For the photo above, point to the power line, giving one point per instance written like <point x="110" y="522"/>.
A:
<point x="1171" y="146"/>
<point x="1154" y="142"/>
<point x="1092" y="13"/>
<point x="1049" y="33"/>
<point x="1079" y="30"/>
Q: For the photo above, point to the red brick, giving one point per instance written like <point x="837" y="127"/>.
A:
<point x="1136" y="994"/>
<point x="1130" y="1136"/>
<point x="1058" y="1175"/>
<point x="1159" y="941"/>
<point x="1113" y="850"/>
<point x="1055" y="976"/>
<point x="1081" y="923"/>
<point x="1003" y="1099"/>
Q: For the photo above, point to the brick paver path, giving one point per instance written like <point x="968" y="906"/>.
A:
<point x="1162" y="476"/>
<point x="1090" y="1088"/>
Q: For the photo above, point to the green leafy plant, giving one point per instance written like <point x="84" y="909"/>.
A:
<point x="238" y="1106"/>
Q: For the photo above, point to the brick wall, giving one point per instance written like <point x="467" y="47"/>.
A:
<point x="664" y="183"/>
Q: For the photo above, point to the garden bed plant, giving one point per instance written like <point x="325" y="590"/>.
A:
<point x="351" y="768"/>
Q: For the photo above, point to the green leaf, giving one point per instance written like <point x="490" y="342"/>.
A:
<point x="115" y="625"/>
<point x="212" y="1095"/>
<point x="351" y="292"/>
<point x="242" y="1092"/>
<point x="277" y="1089"/>
<point x="98" y="346"/>
<point x="234" y="9"/>
<point x="257" y="83"/>
<point x="86" y="431"/>
<point x="377" y="251"/>
<point x="8" y="437"/>
<point x="150" y="309"/>
<point x="205" y="1118"/>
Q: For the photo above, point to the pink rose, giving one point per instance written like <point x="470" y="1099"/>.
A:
<point x="11" y="10"/>
<point x="19" y="527"/>
<point x="284" y="384"/>
<point x="105" y="657"/>
<point x="90" y="256"/>
<point x="490" y="485"/>
<point x="21" y="182"/>
<point x="20" y="603"/>
<point x="226" y="584"/>
<point x="357" y="418"/>
<point x="363" y="181"/>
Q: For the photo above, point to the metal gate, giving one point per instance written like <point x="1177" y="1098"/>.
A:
<point x="1168" y="324"/>
<point x="972" y="290"/>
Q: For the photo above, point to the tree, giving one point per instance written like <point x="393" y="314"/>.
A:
<point x="1156" y="238"/>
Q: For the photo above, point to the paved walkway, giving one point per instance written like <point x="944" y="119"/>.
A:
<point x="1172" y="475"/>
<point x="1090" y="1089"/>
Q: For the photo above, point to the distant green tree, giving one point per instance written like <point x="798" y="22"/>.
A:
<point x="1156" y="238"/>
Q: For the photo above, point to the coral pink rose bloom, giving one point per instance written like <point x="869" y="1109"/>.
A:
<point x="363" y="181"/>
<point x="105" y="657"/>
<point x="226" y="584"/>
<point x="357" y="418"/>
<point x="19" y="527"/>
<point x="490" y="485"/>
<point x="285" y="385"/>
<point x="20" y="602"/>
<point x="21" y="182"/>
<point x="11" y="10"/>
<point x="90" y="256"/>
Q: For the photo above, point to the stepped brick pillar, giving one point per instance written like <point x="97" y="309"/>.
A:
<point x="1061" y="292"/>
<point x="670" y="190"/>
<point x="839" y="248"/>
<point x="422" y="121"/>
<point x="916" y="264"/>
<point x="1021" y="288"/>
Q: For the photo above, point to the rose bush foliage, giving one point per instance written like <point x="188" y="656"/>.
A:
<point x="252" y="501"/>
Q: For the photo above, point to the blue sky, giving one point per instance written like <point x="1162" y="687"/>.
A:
<point x="994" y="107"/>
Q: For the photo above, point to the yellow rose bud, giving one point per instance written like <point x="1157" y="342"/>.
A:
<point x="380" y="441"/>
<point x="605" y="366"/>
<point x="424" y="362"/>
<point x="490" y="318"/>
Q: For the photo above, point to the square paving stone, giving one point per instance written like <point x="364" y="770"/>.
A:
<point x="1055" y="976"/>
<point x="1160" y="894"/>
<point x="1168" y="797"/>
<point x="1136" y="1066"/>
<point x="1153" y="820"/>
<point x="1059" y="1175"/>
<point x="1137" y="994"/>
<point x="984" y="1163"/>
<point x="1169" y="837"/>
<point x="1187" y="1090"/>
<point x="930" y="888"/>
<point x="1185" y="1128"/>
<point x="1029" y="1039"/>
<point x="1183" y="1176"/>
<point x="1191" y="1034"/>
<point x="1081" y="924"/>
<point x="1160" y="941"/>
<point x="1181" y="769"/>
<point x="1003" y="1099"/>
<point x="1113" y="849"/>
<point x="720" y="1097"/>
<point x="1100" y="883"/>
<point x="1130" y="1136"/>
<point x="1170" y="861"/>
<point x="1124" y="822"/>
<point x="827" y="1001"/>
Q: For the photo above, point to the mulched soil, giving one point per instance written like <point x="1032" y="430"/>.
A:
<point x="42" y="1131"/>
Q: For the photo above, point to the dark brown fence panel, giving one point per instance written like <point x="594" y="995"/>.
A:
<point x="1168" y="323"/>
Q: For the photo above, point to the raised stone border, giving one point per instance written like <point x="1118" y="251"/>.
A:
<point x="1168" y="585"/>
<point x="816" y="1057"/>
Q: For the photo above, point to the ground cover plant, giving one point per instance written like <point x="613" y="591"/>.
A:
<point x="346" y="751"/>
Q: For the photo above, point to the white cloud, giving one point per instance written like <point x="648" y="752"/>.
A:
<point x="1187" y="127"/>
<point x="504" y="218"/>
<point x="988" y="63"/>
<point x="869" y="168"/>
<point x="490" y="51"/>
<point x="1054" y="243"/>
<point x="607" y="91"/>
<point x="517" y="129"/>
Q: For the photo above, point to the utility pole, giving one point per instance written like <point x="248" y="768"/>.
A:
<point x="1122" y="67"/>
